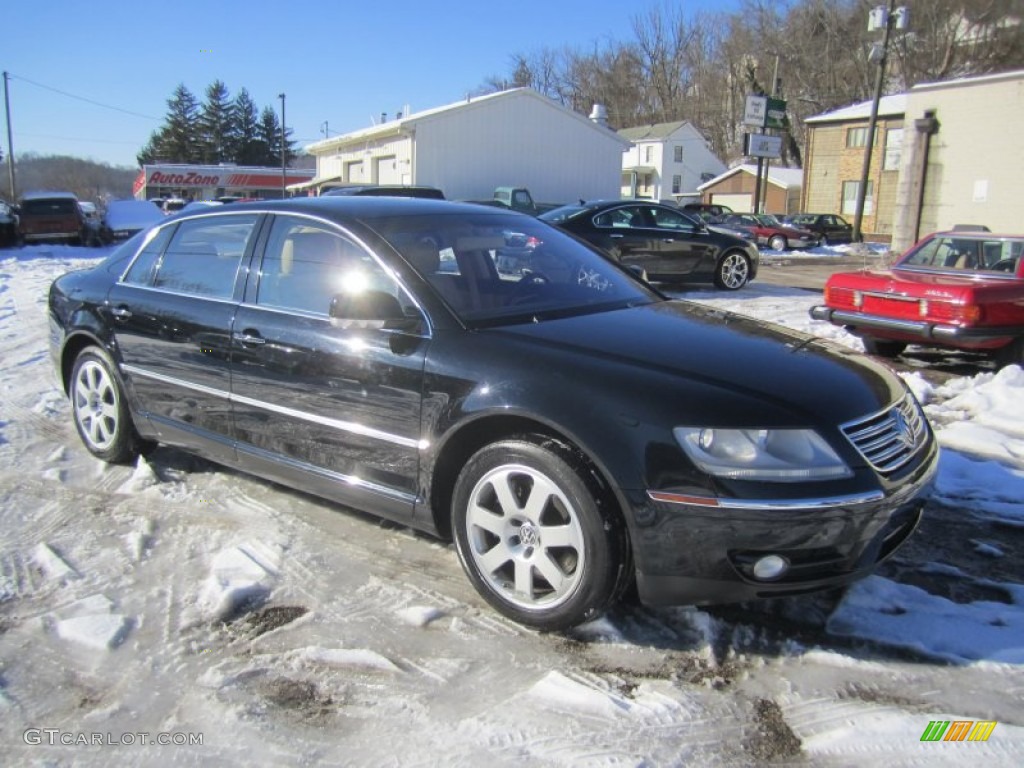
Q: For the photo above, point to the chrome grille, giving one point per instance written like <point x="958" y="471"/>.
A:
<point x="889" y="439"/>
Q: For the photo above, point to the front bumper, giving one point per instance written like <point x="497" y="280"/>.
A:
<point x="688" y="553"/>
<point x="915" y="329"/>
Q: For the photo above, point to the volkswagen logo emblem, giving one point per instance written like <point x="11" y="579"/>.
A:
<point x="904" y="432"/>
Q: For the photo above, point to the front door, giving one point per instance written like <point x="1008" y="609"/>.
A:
<point x="335" y="402"/>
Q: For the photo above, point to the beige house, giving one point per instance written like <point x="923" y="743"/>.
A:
<point x="780" y="189"/>
<point x="834" y="164"/>
<point x="962" y="157"/>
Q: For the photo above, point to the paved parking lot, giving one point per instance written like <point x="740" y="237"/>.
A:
<point x="811" y="272"/>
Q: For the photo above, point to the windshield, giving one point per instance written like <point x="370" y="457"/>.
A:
<point x="561" y="213"/>
<point x="768" y="220"/>
<point x="498" y="268"/>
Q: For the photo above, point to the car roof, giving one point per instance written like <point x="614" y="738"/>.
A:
<point x="41" y="195"/>
<point x="361" y="207"/>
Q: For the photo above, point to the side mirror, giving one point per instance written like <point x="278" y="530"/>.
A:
<point x="371" y="309"/>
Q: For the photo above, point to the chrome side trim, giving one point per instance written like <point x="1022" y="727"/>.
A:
<point x="344" y="426"/>
<point x="350" y="480"/>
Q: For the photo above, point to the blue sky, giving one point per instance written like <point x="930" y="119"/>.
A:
<point x="337" y="61"/>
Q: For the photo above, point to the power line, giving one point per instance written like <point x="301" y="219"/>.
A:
<point x="83" y="98"/>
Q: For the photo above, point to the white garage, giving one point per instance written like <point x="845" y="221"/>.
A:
<point x="512" y="138"/>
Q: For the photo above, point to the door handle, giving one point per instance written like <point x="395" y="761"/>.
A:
<point x="248" y="337"/>
<point x="616" y="237"/>
<point x="121" y="313"/>
<point x="668" y="239"/>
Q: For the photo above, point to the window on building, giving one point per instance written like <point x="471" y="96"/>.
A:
<point x="678" y="153"/>
<point x="893" y="149"/>
<point x="677" y="184"/>
<point x="648" y="154"/>
<point x="856" y="137"/>
<point x="850" y="198"/>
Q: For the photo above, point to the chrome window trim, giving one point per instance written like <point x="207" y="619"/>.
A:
<point x="343" y="426"/>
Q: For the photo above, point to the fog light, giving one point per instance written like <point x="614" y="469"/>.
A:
<point x="770" y="567"/>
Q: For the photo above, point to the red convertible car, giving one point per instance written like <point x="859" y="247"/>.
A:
<point x="954" y="290"/>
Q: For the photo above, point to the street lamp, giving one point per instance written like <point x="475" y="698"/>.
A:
<point x="886" y="18"/>
<point x="284" y="154"/>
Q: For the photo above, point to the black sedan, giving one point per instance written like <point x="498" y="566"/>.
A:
<point x="669" y="246"/>
<point x="832" y="228"/>
<point x="574" y="431"/>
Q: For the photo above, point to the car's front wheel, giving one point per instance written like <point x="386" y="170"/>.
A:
<point x="100" y="410"/>
<point x="733" y="271"/>
<point x="778" y="243"/>
<point x="537" y="536"/>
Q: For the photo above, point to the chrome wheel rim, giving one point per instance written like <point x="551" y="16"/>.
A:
<point x="734" y="271"/>
<point x="525" y="537"/>
<point x="96" y="405"/>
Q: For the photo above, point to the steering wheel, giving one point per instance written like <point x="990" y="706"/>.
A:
<point x="527" y="286"/>
<point x="1004" y="265"/>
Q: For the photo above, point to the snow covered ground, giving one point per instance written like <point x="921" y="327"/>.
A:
<point x="179" y="602"/>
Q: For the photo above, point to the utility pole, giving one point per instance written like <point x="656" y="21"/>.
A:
<point x="10" y="141"/>
<point x="284" y="153"/>
<point x="891" y="18"/>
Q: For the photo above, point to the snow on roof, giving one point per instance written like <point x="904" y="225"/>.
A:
<point x="653" y="132"/>
<point x="895" y="104"/>
<point x="408" y="121"/>
<point x="780" y="177"/>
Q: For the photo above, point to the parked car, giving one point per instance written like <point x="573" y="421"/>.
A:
<point x="953" y="290"/>
<point x="769" y="231"/>
<point x="832" y="228"/>
<point x="386" y="190"/>
<point x="705" y="211"/>
<point x="572" y="429"/>
<point x="50" y="217"/>
<point x="124" y="218"/>
<point x="8" y="224"/>
<point x="667" y="245"/>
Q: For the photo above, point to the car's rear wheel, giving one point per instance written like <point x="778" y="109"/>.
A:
<point x="778" y="243"/>
<point x="883" y="348"/>
<point x="100" y="409"/>
<point x="1011" y="354"/>
<point x="733" y="271"/>
<point x="536" y="535"/>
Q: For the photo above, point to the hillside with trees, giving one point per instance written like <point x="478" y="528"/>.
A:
<point x="88" y="179"/>
<point x="814" y="53"/>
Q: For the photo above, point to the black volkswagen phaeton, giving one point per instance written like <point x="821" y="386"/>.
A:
<point x="570" y="428"/>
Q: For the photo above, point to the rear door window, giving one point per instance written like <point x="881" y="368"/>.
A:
<point x="204" y="254"/>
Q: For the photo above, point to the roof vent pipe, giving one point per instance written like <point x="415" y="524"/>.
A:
<point x="599" y="114"/>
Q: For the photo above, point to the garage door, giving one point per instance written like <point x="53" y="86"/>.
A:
<point x="740" y="203"/>
<point x="354" y="172"/>
<point x="387" y="170"/>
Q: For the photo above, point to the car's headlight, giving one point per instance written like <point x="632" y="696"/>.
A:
<point x="771" y="455"/>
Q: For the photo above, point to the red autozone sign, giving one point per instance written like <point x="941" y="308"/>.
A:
<point x="184" y="179"/>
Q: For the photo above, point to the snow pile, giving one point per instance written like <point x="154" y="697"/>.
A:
<point x="240" y="578"/>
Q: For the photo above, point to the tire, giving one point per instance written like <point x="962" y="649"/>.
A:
<point x="732" y="272"/>
<point x="537" y="537"/>
<point x="1011" y="354"/>
<point x="778" y="243"/>
<point x="100" y="409"/>
<point x="881" y="348"/>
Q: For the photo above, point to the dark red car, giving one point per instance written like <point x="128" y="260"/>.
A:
<point x="771" y="232"/>
<point x="954" y="290"/>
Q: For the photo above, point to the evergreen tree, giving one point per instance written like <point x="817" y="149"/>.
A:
<point x="269" y="134"/>
<point x="244" y="146"/>
<point x="215" y="125"/>
<point x="179" y="142"/>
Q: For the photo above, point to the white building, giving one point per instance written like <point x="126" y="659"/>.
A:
<point x="666" y="161"/>
<point x="513" y="138"/>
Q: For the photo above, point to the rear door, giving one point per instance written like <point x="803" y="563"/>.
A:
<point x="624" y="231"/>
<point x="171" y="313"/>
<point x="331" y="404"/>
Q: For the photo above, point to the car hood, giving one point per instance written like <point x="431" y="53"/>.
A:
<point x="756" y="372"/>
